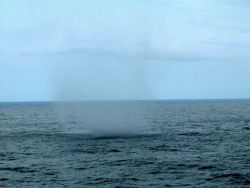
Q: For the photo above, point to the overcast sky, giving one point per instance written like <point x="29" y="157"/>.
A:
<point x="124" y="49"/>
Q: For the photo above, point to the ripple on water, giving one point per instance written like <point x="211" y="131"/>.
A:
<point x="194" y="147"/>
<point x="234" y="178"/>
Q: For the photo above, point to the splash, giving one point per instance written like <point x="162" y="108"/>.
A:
<point x="103" y="119"/>
<point x="113" y="125"/>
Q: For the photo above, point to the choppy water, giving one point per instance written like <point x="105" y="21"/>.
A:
<point x="125" y="144"/>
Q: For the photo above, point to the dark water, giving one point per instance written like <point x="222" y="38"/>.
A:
<point x="125" y="144"/>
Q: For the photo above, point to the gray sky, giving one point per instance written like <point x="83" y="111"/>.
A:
<point x="124" y="49"/>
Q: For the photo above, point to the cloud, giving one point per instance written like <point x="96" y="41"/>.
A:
<point x="122" y="49"/>
<point x="162" y="31"/>
<point x="143" y="53"/>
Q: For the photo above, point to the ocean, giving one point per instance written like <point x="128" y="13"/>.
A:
<point x="179" y="143"/>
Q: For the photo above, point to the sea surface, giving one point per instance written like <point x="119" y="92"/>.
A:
<point x="189" y="143"/>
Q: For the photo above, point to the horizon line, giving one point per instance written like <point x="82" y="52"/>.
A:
<point x="121" y="100"/>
